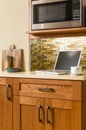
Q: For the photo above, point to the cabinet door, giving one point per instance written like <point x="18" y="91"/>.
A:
<point x="62" y="115"/>
<point x="28" y="113"/>
<point x="5" y="104"/>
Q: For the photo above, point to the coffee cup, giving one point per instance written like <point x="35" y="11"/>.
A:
<point x="76" y="70"/>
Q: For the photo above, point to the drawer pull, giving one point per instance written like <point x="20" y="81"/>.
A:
<point x="9" y="92"/>
<point x="46" y="89"/>
<point x="47" y="109"/>
<point x="39" y="109"/>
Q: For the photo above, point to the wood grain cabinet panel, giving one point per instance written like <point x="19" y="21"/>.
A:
<point x="28" y="113"/>
<point x="37" y="107"/>
<point x="5" y="104"/>
<point x="63" y="115"/>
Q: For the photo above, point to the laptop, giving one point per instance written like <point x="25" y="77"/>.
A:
<point x="65" y="59"/>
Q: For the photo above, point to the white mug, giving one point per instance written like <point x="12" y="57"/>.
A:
<point x="76" y="69"/>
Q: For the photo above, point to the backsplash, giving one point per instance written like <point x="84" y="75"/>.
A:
<point x="44" y="51"/>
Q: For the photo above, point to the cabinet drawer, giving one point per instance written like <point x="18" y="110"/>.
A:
<point x="60" y="91"/>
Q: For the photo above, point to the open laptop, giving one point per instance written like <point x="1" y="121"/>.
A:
<point x="65" y="59"/>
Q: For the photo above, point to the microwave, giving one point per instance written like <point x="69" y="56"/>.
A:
<point x="54" y="14"/>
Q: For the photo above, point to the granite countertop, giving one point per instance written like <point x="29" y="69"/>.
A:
<point x="44" y="76"/>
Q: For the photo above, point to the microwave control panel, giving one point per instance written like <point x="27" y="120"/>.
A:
<point x="76" y="9"/>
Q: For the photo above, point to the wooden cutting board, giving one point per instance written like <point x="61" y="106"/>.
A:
<point x="11" y="58"/>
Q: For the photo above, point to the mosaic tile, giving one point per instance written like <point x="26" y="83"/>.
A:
<point x="44" y="51"/>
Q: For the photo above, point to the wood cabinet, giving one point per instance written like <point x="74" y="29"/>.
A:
<point x="5" y="104"/>
<point x="40" y="104"/>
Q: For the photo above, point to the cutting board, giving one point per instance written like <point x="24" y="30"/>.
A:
<point x="11" y="58"/>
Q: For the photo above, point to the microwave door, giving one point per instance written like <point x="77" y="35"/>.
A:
<point x="42" y="11"/>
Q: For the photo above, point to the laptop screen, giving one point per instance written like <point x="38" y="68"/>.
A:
<point x="66" y="59"/>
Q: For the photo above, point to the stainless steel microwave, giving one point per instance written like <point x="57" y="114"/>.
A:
<point x="53" y="14"/>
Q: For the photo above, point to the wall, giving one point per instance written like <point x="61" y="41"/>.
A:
<point x="44" y="51"/>
<point x="13" y="27"/>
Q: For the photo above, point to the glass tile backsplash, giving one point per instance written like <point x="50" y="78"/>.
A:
<point x="44" y="51"/>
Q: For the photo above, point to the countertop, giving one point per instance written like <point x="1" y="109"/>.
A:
<point x="43" y="76"/>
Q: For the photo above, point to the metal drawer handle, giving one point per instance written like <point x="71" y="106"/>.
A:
<point x="46" y="89"/>
<point x="9" y="92"/>
<point x="47" y="109"/>
<point x="39" y="109"/>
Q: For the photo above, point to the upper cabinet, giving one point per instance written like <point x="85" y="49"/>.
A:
<point x="56" y="18"/>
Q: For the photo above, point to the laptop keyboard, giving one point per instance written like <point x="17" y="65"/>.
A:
<point x="52" y="72"/>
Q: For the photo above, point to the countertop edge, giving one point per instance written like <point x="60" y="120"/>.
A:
<point x="42" y="76"/>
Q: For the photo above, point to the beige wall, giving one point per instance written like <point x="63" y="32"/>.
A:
<point x="13" y="26"/>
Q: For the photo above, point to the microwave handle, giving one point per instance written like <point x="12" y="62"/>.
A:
<point x="44" y="1"/>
